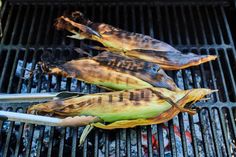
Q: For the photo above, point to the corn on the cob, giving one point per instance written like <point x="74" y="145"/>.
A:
<point x="129" y="44"/>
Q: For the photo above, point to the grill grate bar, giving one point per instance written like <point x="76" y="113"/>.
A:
<point x="19" y="139"/>
<point x="193" y="136"/>
<point x="118" y="144"/>
<point x="6" y="28"/>
<point x="190" y="10"/>
<point x="150" y="19"/>
<point x="12" y="72"/>
<point x="107" y="145"/>
<point x="232" y="122"/>
<point x="85" y="147"/>
<point x="172" y="138"/>
<point x="149" y="141"/>
<point x="213" y="130"/>
<point x="62" y="142"/>
<point x="1" y="137"/>
<point x="22" y="71"/>
<point x="218" y="25"/>
<point x="160" y="140"/>
<point x="191" y="123"/>
<point x="16" y="24"/>
<point x="96" y="143"/>
<point x="49" y="23"/>
<point x="139" y="142"/>
<point x="30" y="35"/>
<point x="40" y="30"/>
<point x="8" y="139"/>
<point x="29" y="140"/>
<point x="185" y="23"/>
<point x="50" y="144"/>
<point x="210" y="25"/>
<point x="225" y="136"/>
<point x="74" y="142"/>
<point x="26" y="16"/>
<point x="40" y="139"/>
<point x="4" y="70"/>
<point x="128" y="147"/>
<point x="168" y="25"/>
<point x="55" y="35"/>
<point x="3" y="10"/>
<point x="181" y="118"/>
<point x="183" y="136"/>
<point x="32" y="69"/>
<point x="177" y="26"/>
<point x="203" y="131"/>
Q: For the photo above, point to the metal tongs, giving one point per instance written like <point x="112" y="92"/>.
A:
<point x="37" y="119"/>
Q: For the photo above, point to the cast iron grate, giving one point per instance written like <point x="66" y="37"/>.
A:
<point x="197" y="26"/>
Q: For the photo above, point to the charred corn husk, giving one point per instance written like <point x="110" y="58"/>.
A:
<point x="129" y="44"/>
<point x="111" y="71"/>
<point x="90" y="71"/>
<point x="146" y="71"/>
<point x="124" y="109"/>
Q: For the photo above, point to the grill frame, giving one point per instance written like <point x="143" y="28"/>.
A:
<point x="27" y="49"/>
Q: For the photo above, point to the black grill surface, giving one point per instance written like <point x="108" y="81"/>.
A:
<point x="200" y="27"/>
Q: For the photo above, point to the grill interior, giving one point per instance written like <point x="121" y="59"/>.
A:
<point x="199" y="27"/>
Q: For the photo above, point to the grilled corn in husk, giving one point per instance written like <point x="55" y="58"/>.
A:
<point x="110" y="70"/>
<point x="130" y="44"/>
<point x="124" y="109"/>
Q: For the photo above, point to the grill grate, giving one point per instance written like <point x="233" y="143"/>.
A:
<point x="197" y="26"/>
